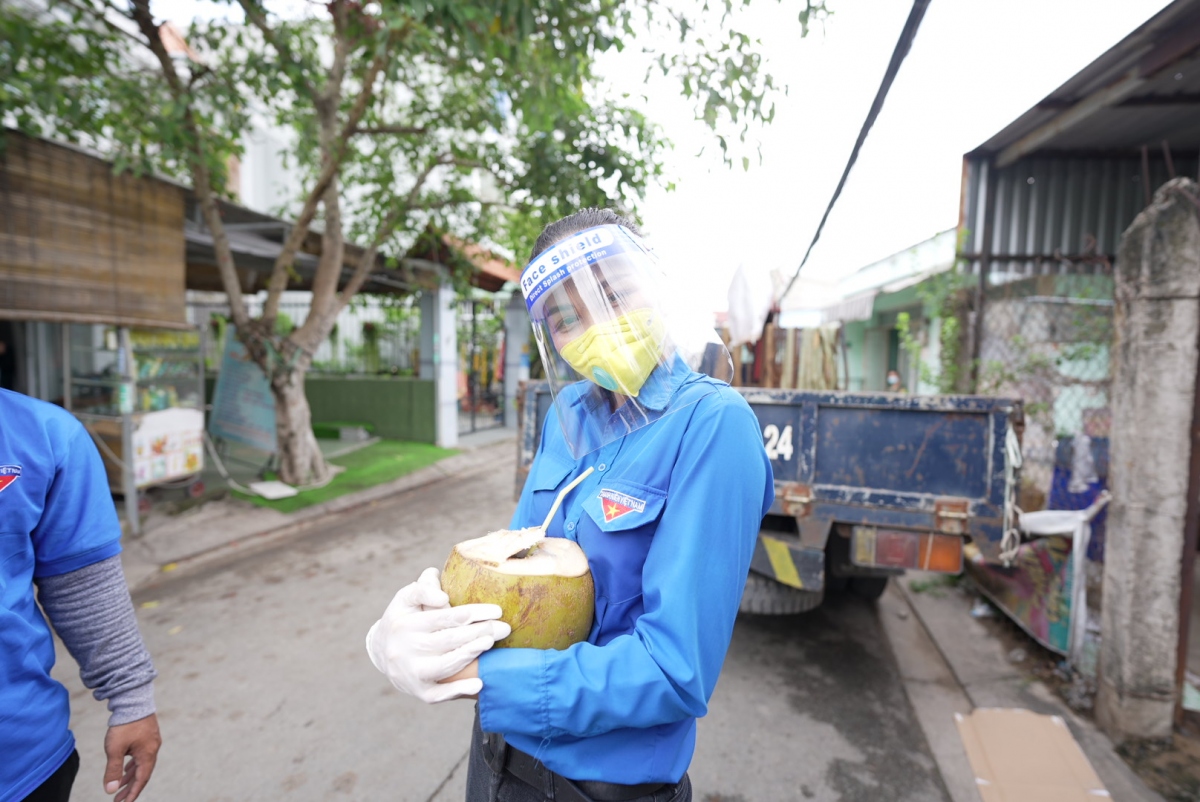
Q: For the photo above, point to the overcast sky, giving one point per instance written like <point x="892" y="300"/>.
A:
<point x="975" y="66"/>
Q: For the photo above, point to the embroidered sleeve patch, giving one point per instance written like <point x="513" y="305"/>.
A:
<point x="9" y="474"/>
<point x="617" y="504"/>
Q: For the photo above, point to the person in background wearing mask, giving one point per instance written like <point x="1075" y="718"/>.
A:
<point x="668" y="518"/>
<point x="894" y="385"/>
<point x="59" y="534"/>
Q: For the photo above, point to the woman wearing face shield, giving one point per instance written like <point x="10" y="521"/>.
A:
<point x="668" y="519"/>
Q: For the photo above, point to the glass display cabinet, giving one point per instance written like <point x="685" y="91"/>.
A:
<point x="140" y="392"/>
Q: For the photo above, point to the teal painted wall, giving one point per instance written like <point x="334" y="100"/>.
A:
<point x="875" y="358"/>
<point x="854" y="340"/>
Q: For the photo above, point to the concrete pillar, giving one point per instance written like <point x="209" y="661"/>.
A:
<point x="1157" y="321"/>
<point x="516" y="355"/>
<point x="439" y="357"/>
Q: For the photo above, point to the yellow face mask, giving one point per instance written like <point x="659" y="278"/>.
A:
<point x="620" y="354"/>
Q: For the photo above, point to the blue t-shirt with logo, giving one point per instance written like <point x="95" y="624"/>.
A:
<point x="56" y="516"/>
<point x="668" y="520"/>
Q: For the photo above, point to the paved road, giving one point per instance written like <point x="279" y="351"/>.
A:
<point x="265" y="691"/>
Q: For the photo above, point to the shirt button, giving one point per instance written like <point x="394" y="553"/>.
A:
<point x="570" y="526"/>
<point x="601" y="466"/>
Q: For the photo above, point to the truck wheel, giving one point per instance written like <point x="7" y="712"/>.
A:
<point x="868" y="587"/>
<point x="767" y="597"/>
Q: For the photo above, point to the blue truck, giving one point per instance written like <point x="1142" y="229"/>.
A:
<point x="866" y="486"/>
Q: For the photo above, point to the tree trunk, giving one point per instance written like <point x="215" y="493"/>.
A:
<point x="296" y="449"/>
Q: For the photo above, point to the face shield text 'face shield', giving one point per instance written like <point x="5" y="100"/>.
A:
<point x="614" y="346"/>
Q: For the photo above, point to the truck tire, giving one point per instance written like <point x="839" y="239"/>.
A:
<point x="868" y="587"/>
<point x="767" y="597"/>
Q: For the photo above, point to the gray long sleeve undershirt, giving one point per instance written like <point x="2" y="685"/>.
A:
<point x="91" y="611"/>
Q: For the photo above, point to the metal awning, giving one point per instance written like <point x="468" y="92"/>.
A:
<point x="257" y="240"/>
<point x="860" y="307"/>
<point x="1054" y="190"/>
<point x="1145" y="90"/>
<point x="488" y="271"/>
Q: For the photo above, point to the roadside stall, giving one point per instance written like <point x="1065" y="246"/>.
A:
<point x="140" y="392"/>
<point x="92" y="284"/>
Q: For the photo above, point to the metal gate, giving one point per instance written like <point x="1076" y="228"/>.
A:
<point x="481" y="365"/>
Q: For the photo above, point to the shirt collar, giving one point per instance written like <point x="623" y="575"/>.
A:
<point x="662" y="384"/>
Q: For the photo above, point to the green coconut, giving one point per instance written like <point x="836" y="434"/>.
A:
<point x="542" y="584"/>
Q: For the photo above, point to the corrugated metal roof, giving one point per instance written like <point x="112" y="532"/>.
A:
<point x="1055" y="213"/>
<point x="860" y="307"/>
<point x="1143" y="90"/>
<point x="1070" y="175"/>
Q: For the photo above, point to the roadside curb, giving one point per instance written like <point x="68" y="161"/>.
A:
<point x="932" y="689"/>
<point x="142" y="573"/>
<point x="980" y="675"/>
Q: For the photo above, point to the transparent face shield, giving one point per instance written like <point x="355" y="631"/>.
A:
<point x="616" y="346"/>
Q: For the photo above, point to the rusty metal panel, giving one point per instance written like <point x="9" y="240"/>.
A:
<point x="939" y="453"/>
<point x="926" y="499"/>
<point x="886" y="494"/>
<point x="952" y="515"/>
<point x="795" y="498"/>
<point x="1056" y="213"/>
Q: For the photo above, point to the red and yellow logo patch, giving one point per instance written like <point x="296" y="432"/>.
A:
<point x="617" y="504"/>
<point x="9" y="474"/>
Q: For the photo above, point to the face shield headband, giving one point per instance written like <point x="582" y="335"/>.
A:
<point x="578" y="252"/>
<point x="602" y="311"/>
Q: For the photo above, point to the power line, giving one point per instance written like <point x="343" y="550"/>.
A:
<point x="902" y="47"/>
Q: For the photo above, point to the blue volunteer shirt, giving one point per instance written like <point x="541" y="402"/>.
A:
<point x="668" y="521"/>
<point x="56" y="516"/>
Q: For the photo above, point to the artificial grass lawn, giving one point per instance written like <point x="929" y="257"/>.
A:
<point x="377" y="463"/>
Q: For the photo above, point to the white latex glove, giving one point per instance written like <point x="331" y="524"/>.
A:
<point x="422" y="639"/>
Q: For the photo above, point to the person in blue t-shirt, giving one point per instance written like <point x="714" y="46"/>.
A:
<point x="677" y="482"/>
<point x="59" y="534"/>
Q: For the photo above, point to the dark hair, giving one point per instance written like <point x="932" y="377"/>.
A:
<point x="582" y="220"/>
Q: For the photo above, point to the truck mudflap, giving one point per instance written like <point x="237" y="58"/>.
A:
<point x="789" y="562"/>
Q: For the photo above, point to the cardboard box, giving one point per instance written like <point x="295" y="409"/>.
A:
<point x="1021" y="756"/>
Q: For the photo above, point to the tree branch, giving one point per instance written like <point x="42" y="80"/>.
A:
<point x="329" y="269"/>
<point x="329" y="169"/>
<point x="104" y="20"/>
<point x="341" y="52"/>
<point x="385" y="230"/>
<point x="258" y="17"/>
<point x="401" y="130"/>
<point x="201" y="179"/>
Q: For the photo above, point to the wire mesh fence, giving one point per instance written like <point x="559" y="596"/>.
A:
<point x="1047" y="340"/>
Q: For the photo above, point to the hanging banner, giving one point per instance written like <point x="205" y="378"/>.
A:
<point x="1036" y="591"/>
<point x="243" y="406"/>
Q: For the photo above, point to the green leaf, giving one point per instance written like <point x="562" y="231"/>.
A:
<point x="510" y="84"/>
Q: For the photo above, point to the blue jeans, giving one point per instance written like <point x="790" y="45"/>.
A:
<point x="485" y="785"/>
